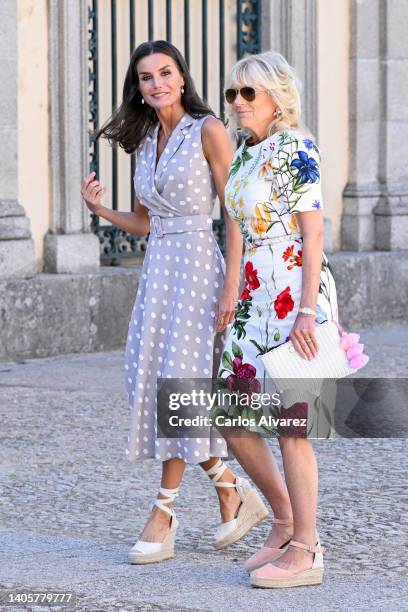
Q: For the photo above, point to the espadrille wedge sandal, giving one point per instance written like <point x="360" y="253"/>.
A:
<point x="154" y="552"/>
<point x="270" y="576"/>
<point x="251" y="511"/>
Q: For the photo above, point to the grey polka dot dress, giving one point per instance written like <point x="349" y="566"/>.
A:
<point x="171" y="330"/>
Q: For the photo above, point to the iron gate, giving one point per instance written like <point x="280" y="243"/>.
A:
<point x="106" y="19"/>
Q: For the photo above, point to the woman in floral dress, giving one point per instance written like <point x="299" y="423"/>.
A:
<point x="274" y="194"/>
<point x="269" y="183"/>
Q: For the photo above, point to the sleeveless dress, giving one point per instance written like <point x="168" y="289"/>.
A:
<point x="268" y="184"/>
<point x="171" y="330"/>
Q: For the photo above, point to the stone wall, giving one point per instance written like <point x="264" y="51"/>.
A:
<point x="50" y="314"/>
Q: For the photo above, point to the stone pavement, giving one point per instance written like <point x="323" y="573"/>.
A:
<point x="71" y="505"/>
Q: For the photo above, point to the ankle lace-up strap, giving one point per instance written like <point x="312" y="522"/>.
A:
<point x="314" y="548"/>
<point x="161" y="502"/>
<point x="217" y="471"/>
<point x="283" y="521"/>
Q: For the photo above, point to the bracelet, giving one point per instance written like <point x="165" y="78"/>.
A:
<point x="307" y="310"/>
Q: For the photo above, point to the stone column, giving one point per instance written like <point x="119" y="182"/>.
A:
<point x="391" y="213"/>
<point x="17" y="257"/>
<point x="375" y="214"/>
<point x="363" y="190"/>
<point x="69" y="246"/>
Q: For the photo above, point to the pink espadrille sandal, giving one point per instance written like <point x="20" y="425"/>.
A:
<point x="267" y="553"/>
<point x="272" y="577"/>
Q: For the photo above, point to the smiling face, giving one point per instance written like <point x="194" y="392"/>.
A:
<point x="160" y="80"/>
<point x="254" y="116"/>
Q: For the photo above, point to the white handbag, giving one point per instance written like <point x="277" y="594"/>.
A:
<point x="335" y="359"/>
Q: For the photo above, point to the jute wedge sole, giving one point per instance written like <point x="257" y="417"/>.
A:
<point x="306" y="578"/>
<point x="273" y="577"/>
<point x="134" y="560"/>
<point x="165" y="552"/>
<point x="251" y="512"/>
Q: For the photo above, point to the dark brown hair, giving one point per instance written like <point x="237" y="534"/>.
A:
<point x="129" y="124"/>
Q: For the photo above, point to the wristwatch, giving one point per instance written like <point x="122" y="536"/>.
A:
<point x="307" y="310"/>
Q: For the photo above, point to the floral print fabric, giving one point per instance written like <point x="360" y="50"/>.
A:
<point x="267" y="185"/>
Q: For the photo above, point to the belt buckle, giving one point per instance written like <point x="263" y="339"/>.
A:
<point x="157" y="226"/>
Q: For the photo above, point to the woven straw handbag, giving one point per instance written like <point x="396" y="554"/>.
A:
<point x="339" y="355"/>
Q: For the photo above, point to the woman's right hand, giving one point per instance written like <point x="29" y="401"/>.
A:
<point x="92" y="192"/>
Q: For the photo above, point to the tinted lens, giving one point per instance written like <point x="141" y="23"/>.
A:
<point x="230" y="95"/>
<point x="248" y="93"/>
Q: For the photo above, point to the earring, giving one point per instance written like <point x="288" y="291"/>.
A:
<point x="143" y="101"/>
<point x="182" y="90"/>
<point x="277" y="113"/>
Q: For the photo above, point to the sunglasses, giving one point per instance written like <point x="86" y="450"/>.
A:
<point x="248" y="93"/>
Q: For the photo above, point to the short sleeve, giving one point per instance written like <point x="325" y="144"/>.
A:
<point x="297" y="173"/>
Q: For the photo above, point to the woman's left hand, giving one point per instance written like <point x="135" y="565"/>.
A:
<point x="225" y="308"/>
<point x="303" y="337"/>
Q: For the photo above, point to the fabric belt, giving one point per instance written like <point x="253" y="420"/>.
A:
<point x="273" y="240"/>
<point x="160" y="226"/>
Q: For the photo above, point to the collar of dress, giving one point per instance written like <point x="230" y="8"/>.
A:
<point x="173" y="144"/>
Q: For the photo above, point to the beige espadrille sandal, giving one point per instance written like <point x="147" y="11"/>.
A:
<point x="154" y="552"/>
<point x="268" y="553"/>
<point x="251" y="511"/>
<point x="270" y="576"/>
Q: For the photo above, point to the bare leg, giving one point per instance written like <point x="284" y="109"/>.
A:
<point x="158" y="523"/>
<point x="301" y="477"/>
<point x="255" y="456"/>
<point x="228" y="498"/>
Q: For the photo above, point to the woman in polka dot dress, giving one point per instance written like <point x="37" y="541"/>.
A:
<point x="186" y="294"/>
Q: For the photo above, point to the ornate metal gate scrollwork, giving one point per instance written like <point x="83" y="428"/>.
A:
<point x="117" y="245"/>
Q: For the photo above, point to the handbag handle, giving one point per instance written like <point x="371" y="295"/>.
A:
<point x="339" y="327"/>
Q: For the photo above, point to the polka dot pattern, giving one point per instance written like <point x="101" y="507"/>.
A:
<point x="171" y="329"/>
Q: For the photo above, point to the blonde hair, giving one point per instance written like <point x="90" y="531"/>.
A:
<point x="270" y="72"/>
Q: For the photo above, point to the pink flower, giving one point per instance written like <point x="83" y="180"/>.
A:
<point x="359" y="361"/>
<point x="354" y="350"/>
<point x="347" y="340"/>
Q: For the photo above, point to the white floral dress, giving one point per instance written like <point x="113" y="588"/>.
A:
<point x="268" y="184"/>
